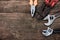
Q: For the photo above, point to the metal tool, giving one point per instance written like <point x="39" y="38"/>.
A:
<point x="32" y="10"/>
<point x="47" y="32"/>
<point x="51" y="18"/>
<point x="51" y="31"/>
<point x="33" y="5"/>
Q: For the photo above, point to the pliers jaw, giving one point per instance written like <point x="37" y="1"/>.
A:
<point x="33" y="4"/>
<point x="32" y="10"/>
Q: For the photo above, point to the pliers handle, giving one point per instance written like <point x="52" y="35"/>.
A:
<point x="33" y="2"/>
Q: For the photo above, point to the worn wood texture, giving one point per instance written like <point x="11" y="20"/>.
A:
<point x="16" y="22"/>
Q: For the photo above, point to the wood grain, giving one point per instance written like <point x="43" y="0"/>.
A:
<point x="16" y="22"/>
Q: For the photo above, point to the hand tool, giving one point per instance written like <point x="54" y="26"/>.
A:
<point x="33" y="5"/>
<point x="51" y="31"/>
<point x="47" y="32"/>
<point x="51" y="18"/>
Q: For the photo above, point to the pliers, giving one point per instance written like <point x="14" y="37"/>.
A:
<point x="33" y="5"/>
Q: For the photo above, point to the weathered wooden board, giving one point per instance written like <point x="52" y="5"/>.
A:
<point x="16" y="22"/>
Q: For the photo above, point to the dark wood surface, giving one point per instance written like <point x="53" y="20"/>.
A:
<point x="16" y="22"/>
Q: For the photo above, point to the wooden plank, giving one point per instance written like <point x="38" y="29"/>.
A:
<point x="13" y="0"/>
<point x="14" y="6"/>
<point x="23" y="28"/>
<point x="19" y="6"/>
